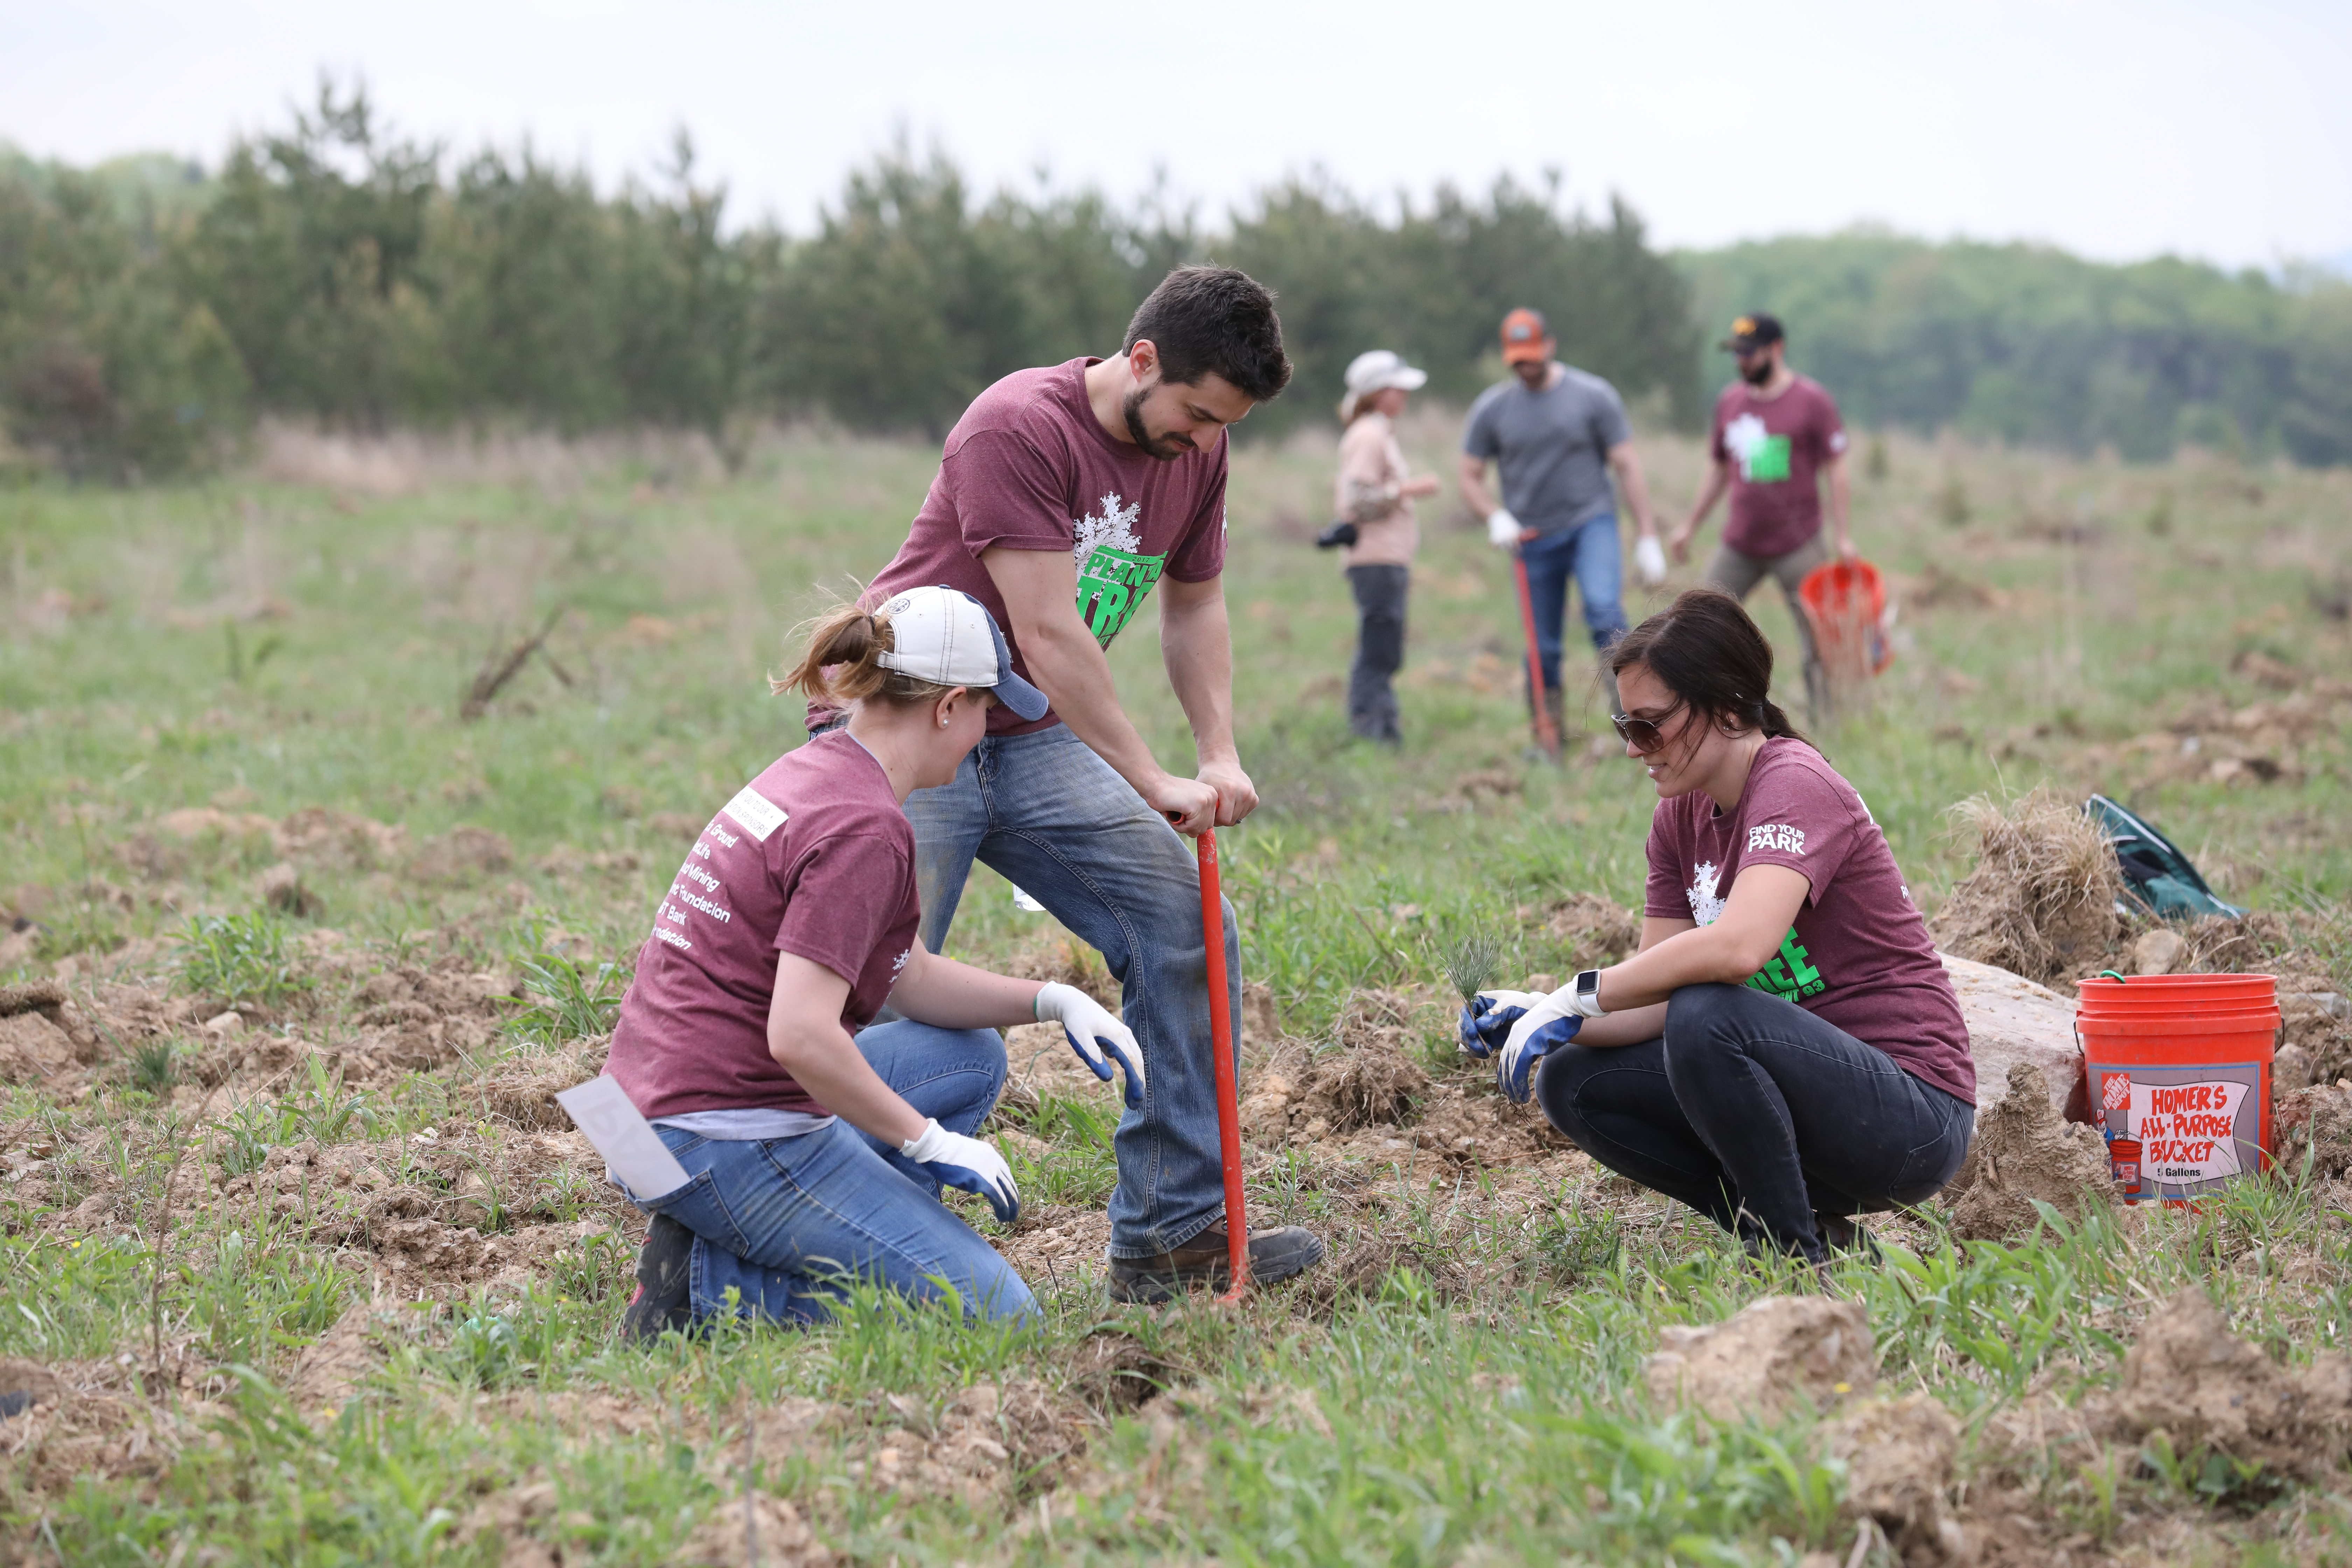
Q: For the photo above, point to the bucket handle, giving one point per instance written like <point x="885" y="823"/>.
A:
<point x="2109" y="974"/>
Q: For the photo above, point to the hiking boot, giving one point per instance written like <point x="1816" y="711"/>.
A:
<point x="1840" y="1234"/>
<point x="1274" y="1256"/>
<point x="663" y="1276"/>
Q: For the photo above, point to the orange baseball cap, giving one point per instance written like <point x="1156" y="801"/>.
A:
<point x="1524" y="337"/>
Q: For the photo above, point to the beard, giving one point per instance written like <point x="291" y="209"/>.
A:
<point x="1757" y="370"/>
<point x="1167" y="448"/>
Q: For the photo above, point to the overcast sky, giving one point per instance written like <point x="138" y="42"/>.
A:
<point x="2120" y="130"/>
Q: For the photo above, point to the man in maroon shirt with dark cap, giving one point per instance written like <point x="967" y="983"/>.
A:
<point x="1776" y="435"/>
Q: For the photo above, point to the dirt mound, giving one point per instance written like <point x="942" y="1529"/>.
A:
<point x="1596" y="932"/>
<point x="32" y="1048"/>
<point x="2023" y="1151"/>
<point x="1116" y="1373"/>
<point x="522" y="1090"/>
<point x="2315" y="1124"/>
<point x="318" y="839"/>
<point x="775" y="1535"/>
<point x="461" y="855"/>
<point x="416" y="1019"/>
<point x="1775" y="1351"/>
<point x="1898" y="1456"/>
<point x="1367" y="1075"/>
<point x="2041" y="900"/>
<point x="2205" y="1387"/>
<point x="1471" y="1124"/>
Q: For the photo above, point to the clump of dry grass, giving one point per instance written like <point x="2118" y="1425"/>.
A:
<point x="2042" y="901"/>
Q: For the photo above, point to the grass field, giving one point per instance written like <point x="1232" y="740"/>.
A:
<point x="335" y="1282"/>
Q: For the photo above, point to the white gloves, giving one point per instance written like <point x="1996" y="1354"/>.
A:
<point x="1093" y="1031"/>
<point x="1502" y="528"/>
<point x="1649" y="561"/>
<point x="966" y="1163"/>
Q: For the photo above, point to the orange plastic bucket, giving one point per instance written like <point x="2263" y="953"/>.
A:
<point x="1846" y="603"/>
<point x="2184" y="1091"/>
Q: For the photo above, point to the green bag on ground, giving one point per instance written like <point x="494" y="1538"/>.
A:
<point x="2158" y="877"/>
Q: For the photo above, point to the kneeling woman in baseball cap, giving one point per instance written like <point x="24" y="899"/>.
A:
<point x="1785" y="1051"/>
<point x="815" y="1141"/>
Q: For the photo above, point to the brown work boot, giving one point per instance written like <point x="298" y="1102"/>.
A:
<point x="1274" y="1256"/>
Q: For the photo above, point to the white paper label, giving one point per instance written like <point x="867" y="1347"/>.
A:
<point x="759" y="814"/>
<point x="634" y="1153"/>
<point x="2187" y="1132"/>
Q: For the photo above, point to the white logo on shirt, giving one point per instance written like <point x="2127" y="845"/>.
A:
<point x="1777" y="836"/>
<point x="1705" y="907"/>
<point x="756" y="811"/>
<point x="1116" y="528"/>
<point x="1744" y="437"/>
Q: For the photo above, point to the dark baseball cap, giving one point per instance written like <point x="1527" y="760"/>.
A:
<point x="1752" y="331"/>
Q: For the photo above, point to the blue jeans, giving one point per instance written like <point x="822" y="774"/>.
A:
<point x="781" y="1220"/>
<point x="1052" y="816"/>
<point x="1589" y="552"/>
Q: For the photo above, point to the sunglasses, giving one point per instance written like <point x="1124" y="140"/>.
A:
<point x="1643" y="734"/>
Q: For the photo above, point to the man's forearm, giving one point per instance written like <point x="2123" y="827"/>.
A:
<point x="1474" y="494"/>
<point x="1196" y="642"/>
<point x="1630" y="479"/>
<point x="1718" y="479"/>
<point x="1068" y="665"/>
<point x="1840" y="502"/>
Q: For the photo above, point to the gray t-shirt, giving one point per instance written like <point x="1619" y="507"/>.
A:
<point x="1552" y="447"/>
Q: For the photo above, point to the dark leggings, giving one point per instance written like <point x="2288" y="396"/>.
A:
<point x="1758" y="1115"/>
<point x="1379" y="649"/>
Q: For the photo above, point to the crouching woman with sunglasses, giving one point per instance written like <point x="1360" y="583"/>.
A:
<point x="1784" y="1052"/>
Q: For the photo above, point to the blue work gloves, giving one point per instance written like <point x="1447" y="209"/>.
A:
<point x="1093" y="1032"/>
<point x="956" y="1160"/>
<point x="1520" y="1028"/>
<point x="1486" y="1021"/>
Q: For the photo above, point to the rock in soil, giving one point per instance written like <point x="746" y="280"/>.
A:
<point x="32" y="1049"/>
<point x="2206" y="1387"/>
<point x="2010" y="1020"/>
<point x="2023" y="1152"/>
<point x="1782" y="1349"/>
<point x="2158" y="952"/>
<point x="1898" y="1455"/>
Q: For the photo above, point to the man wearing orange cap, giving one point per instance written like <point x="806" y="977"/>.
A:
<point x="1556" y="434"/>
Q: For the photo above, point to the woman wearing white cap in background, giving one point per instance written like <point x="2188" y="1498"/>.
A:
<point x="1374" y="495"/>
<point x="815" y="1146"/>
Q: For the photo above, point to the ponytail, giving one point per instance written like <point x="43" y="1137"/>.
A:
<point x="843" y="663"/>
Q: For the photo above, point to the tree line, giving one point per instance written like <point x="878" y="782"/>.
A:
<point x="334" y="271"/>
<point x="2030" y="346"/>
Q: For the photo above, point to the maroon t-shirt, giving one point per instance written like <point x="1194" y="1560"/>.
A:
<point x="1028" y="467"/>
<point x="1858" y="955"/>
<point x="1775" y="447"/>
<point x="812" y="857"/>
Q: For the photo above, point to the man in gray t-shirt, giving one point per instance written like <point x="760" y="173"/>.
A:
<point x="1557" y="433"/>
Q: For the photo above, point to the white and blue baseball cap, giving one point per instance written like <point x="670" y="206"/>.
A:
<point x="948" y="637"/>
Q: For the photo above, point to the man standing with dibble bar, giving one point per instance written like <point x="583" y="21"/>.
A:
<point x="1065" y="497"/>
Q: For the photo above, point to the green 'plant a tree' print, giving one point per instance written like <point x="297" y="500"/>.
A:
<point x="1792" y="975"/>
<point x="1113" y="575"/>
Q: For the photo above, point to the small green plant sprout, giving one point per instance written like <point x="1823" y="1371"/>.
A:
<point x="1472" y="961"/>
<point x="238" y="958"/>
<point x="568" y="1001"/>
<point x="153" y="1066"/>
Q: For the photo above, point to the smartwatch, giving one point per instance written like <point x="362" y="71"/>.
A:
<point x="1585" y="1003"/>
